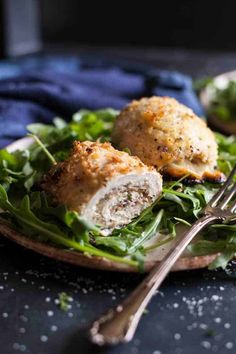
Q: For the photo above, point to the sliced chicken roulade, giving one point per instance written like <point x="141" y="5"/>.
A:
<point x="104" y="185"/>
<point x="169" y="136"/>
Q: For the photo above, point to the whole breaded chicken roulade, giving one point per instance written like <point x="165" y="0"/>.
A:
<point x="169" y="136"/>
<point x="104" y="185"/>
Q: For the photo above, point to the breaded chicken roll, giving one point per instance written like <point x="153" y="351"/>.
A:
<point x="104" y="185"/>
<point x="169" y="136"/>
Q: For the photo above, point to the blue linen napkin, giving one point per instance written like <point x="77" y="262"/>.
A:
<point x="38" y="89"/>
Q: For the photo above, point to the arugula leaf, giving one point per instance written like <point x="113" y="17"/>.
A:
<point x="113" y="242"/>
<point x="64" y="301"/>
<point x="223" y="104"/>
<point x="204" y="247"/>
<point x="227" y="152"/>
<point x="222" y="260"/>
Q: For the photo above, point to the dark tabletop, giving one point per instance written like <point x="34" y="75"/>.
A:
<point x="195" y="311"/>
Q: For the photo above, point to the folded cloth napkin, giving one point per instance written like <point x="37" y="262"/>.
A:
<point x="38" y="89"/>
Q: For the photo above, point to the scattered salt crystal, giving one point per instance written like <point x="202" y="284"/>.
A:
<point x="203" y="326"/>
<point x="205" y="344"/>
<point x="217" y="320"/>
<point x="26" y="307"/>
<point x="16" y="346"/>
<point x="229" y="345"/>
<point x="227" y="325"/>
<point x="22" y="348"/>
<point x="54" y="328"/>
<point x="175" y="305"/>
<point x="177" y="336"/>
<point x="50" y="313"/>
<point x="215" y="297"/>
<point x="44" y="338"/>
<point x="22" y="330"/>
<point x="5" y="315"/>
<point x="48" y="299"/>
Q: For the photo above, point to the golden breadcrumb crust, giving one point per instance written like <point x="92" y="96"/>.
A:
<point x="89" y="167"/>
<point x="169" y="136"/>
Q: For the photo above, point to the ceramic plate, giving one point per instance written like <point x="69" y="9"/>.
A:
<point x="186" y="262"/>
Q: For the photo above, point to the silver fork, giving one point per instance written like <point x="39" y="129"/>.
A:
<point x="119" y="324"/>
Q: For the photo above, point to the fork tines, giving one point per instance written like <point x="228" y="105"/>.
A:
<point x="224" y="195"/>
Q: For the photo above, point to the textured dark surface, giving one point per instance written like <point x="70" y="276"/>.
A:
<point x="194" y="312"/>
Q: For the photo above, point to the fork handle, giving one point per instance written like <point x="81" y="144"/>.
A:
<point x="119" y="324"/>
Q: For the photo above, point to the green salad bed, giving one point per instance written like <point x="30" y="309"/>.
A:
<point x="29" y="210"/>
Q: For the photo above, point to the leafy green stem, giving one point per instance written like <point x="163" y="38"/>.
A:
<point x="43" y="147"/>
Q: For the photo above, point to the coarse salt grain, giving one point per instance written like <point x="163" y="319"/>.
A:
<point x="16" y="346"/>
<point x="177" y="336"/>
<point x="44" y="339"/>
<point x="229" y="345"/>
<point x="205" y="344"/>
<point x="217" y="320"/>
<point x="22" y="348"/>
<point x="203" y="326"/>
<point x="215" y="297"/>
<point x="54" y="328"/>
